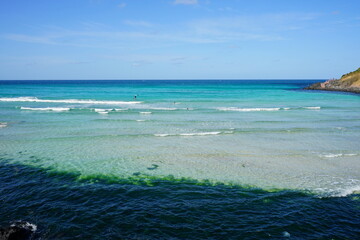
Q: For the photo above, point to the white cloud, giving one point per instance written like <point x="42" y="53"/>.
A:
<point x="227" y="9"/>
<point x="229" y="30"/>
<point x="267" y="27"/>
<point x="29" y="39"/>
<point x="138" y="23"/>
<point x="121" y="5"/>
<point x="43" y="60"/>
<point x="139" y="64"/>
<point x="186" y="2"/>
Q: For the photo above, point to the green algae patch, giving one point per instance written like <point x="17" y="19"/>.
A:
<point x="266" y="200"/>
<point x="355" y="198"/>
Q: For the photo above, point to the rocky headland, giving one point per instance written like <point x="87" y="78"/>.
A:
<point x="349" y="82"/>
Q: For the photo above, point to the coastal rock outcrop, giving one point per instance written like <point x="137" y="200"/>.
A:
<point x="19" y="230"/>
<point x="349" y="82"/>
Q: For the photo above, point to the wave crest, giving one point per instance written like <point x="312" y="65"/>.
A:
<point x="192" y="134"/>
<point x="235" y="109"/>
<point x="54" y="109"/>
<point x="72" y="101"/>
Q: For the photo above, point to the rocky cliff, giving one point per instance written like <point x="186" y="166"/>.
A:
<point x="349" y="82"/>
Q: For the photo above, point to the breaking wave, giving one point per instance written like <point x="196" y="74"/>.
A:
<point x="335" y="155"/>
<point x="337" y="192"/>
<point x="54" y="109"/>
<point x="236" y="109"/>
<point x="312" y="108"/>
<point x="192" y="134"/>
<point x="72" y="101"/>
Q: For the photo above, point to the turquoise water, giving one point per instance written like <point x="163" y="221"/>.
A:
<point x="217" y="149"/>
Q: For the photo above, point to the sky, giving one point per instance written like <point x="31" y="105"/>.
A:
<point x="178" y="39"/>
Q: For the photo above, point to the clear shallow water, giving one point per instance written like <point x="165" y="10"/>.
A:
<point x="219" y="148"/>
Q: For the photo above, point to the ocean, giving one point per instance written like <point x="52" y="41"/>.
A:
<point x="219" y="159"/>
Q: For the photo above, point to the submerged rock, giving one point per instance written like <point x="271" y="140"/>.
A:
<point x="286" y="234"/>
<point x="349" y="82"/>
<point x="18" y="231"/>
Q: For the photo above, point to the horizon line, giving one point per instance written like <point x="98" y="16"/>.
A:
<point x="187" y="79"/>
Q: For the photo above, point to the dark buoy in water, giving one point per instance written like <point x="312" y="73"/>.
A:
<point x="19" y="230"/>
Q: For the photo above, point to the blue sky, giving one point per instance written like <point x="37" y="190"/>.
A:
<point x="178" y="39"/>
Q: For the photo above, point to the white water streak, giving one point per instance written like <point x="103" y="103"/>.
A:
<point x="72" y="101"/>
<point x="54" y="109"/>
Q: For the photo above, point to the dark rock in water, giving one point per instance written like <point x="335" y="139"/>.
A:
<point x="18" y="231"/>
<point x="349" y="82"/>
<point x="154" y="166"/>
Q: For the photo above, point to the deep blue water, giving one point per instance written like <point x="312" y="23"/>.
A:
<point x="64" y="208"/>
<point x="191" y="160"/>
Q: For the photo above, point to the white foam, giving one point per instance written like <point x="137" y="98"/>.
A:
<point x="349" y="191"/>
<point x="335" y="155"/>
<point x="162" y="135"/>
<point x="235" y="109"/>
<point x="145" y="112"/>
<point x="54" y="109"/>
<point x="73" y="101"/>
<point x="199" y="134"/>
<point x="339" y="192"/>
<point x="139" y="120"/>
<point x="312" y="108"/>
<point x="187" y="134"/>
<point x="3" y="124"/>
<point x="30" y="226"/>
<point x="331" y="155"/>
<point x="98" y="110"/>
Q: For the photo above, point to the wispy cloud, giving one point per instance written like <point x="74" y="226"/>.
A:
<point x="227" y="9"/>
<point x="252" y="23"/>
<point x="186" y="2"/>
<point x="178" y="60"/>
<point x="139" y="60"/>
<point x="94" y="25"/>
<point x="29" y="39"/>
<point x="42" y="61"/>
<point x="138" y="23"/>
<point x="121" y="5"/>
<point x="269" y="27"/>
<point x="140" y="63"/>
<point x="229" y="30"/>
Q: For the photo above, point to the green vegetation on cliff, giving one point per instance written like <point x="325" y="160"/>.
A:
<point x="351" y="79"/>
<point x="351" y="73"/>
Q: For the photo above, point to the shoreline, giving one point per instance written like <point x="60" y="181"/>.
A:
<point x="349" y="82"/>
<point x="317" y="86"/>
